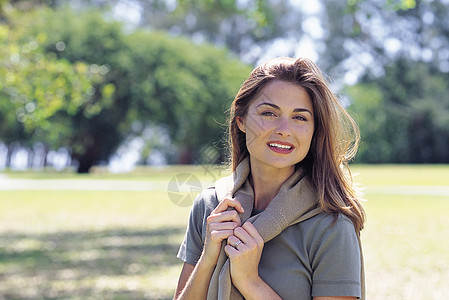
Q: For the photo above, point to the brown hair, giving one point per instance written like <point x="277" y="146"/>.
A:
<point x="334" y="142"/>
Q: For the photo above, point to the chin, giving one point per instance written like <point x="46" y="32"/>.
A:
<point x="281" y="164"/>
<point x="276" y="162"/>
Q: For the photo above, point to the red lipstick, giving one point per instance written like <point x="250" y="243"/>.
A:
<point x="280" y="147"/>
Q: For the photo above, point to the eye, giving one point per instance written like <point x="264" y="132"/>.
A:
<point x="300" y="118"/>
<point x="268" y="114"/>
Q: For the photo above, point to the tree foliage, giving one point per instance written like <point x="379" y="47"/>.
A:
<point x="367" y="36"/>
<point x="36" y="87"/>
<point x="131" y="80"/>
<point x="247" y="28"/>
<point x="403" y="115"/>
<point x="395" y="55"/>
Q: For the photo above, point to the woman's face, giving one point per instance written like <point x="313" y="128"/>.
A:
<point x="279" y="126"/>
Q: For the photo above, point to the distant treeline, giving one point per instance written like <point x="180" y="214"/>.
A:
<point x="77" y="80"/>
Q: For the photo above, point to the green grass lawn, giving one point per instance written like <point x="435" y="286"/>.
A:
<point x="122" y="244"/>
<point x="81" y="245"/>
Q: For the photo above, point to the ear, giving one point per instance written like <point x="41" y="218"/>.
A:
<point x="240" y="123"/>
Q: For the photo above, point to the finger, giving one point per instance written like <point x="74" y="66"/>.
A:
<point x="252" y="231"/>
<point x="225" y="216"/>
<point x="242" y="235"/>
<point x="230" y="251"/>
<point x="220" y="235"/>
<point x="223" y="226"/>
<point x="230" y="203"/>
<point x="232" y="239"/>
<point x="237" y="244"/>
<point x="227" y="203"/>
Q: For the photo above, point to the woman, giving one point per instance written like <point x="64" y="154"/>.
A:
<point x="286" y="223"/>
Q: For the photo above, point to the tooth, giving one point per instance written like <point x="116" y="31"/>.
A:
<point x="280" y="146"/>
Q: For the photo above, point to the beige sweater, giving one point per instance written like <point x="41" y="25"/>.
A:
<point x="295" y="202"/>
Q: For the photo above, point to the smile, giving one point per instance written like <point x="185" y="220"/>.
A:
<point x="280" y="146"/>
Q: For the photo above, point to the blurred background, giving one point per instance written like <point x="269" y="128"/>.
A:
<point x="120" y="83"/>
<point x="113" y="115"/>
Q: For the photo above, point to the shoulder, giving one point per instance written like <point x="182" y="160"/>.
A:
<point x="331" y="235"/>
<point x="205" y="201"/>
<point x="325" y="228"/>
<point x="320" y="228"/>
<point x="324" y="222"/>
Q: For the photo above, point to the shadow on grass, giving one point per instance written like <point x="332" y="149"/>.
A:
<point x="108" y="264"/>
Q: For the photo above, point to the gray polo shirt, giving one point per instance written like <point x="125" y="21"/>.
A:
<point x="317" y="257"/>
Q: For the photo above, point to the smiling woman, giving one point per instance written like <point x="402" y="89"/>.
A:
<point x="286" y="223"/>
<point x="279" y="122"/>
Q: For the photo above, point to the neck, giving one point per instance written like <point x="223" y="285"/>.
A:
<point x="266" y="183"/>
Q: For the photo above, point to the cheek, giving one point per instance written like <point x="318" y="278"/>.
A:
<point x="309" y="133"/>
<point x="310" y="130"/>
<point x="304" y="132"/>
<point x="304" y="138"/>
<point x="256" y="127"/>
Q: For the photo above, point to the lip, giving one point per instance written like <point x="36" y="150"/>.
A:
<point x="280" y="150"/>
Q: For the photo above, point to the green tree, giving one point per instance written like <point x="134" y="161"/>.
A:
<point x="187" y="91"/>
<point x="395" y="52"/>
<point x="366" y="36"/>
<point x="36" y="87"/>
<point x="144" y="77"/>
<point x="404" y="115"/>
<point x="247" y="28"/>
<point x="368" y="108"/>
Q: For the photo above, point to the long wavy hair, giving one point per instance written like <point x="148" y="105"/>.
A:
<point x="334" y="143"/>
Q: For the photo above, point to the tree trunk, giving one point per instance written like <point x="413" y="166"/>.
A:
<point x="186" y="156"/>
<point x="84" y="165"/>
<point x="8" y="155"/>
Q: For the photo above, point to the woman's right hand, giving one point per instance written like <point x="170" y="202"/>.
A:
<point x="220" y="225"/>
<point x="195" y="279"/>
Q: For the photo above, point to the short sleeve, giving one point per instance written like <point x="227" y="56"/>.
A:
<point x="336" y="261"/>
<point x="192" y="245"/>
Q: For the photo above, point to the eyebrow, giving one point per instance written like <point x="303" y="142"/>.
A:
<point x="278" y="108"/>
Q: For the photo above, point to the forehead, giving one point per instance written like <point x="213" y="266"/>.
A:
<point x="283" y="94"/>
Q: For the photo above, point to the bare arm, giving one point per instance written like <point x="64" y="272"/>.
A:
<point x="194" y="280"/>
<point x="186" y="272"/>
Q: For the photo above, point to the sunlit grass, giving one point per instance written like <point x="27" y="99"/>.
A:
<point x="402" y="174"/>
<point x="405" y="242"/>
<point x="89" y="244"/>
<point x="49" y="211"/>
<point x="203" y="172"/>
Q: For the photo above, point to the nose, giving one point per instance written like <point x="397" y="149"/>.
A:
<point x="283" y="127"/>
